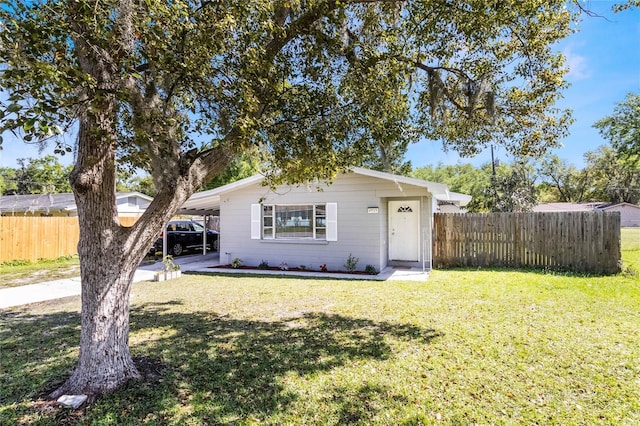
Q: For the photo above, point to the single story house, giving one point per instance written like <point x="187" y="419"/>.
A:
<point x="629" y="213"/>
<point x="568" y="207"/>
<point x="452" y="202"/>
<point x="130" y="204"/>
<point x="379" y="218"/>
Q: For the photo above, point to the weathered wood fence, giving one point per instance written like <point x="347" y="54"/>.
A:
<point x="34" y="238"/>
<point x="575" y="241"/>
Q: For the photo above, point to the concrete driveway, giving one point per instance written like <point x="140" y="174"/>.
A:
<point x="51" y="290"/>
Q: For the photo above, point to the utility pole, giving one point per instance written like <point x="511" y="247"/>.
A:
<point x="493" y="163"/>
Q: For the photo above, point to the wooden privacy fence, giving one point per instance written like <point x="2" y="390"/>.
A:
<point x="34" y="238"/>
<point x="576" y="241"/>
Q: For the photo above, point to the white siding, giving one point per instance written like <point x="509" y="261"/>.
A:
<point x="131" y="206"/>
<point x="629" y="214"/>
<point x="359" y="232"/>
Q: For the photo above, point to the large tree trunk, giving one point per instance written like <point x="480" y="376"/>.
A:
<point x="105" y="362"/>
<point x="108" y="259"/>
<point x="109" y="253"/>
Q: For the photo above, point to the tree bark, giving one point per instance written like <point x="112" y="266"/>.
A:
<point x="105" y="362"/>
<point x="107" y="261"/>
<point x="109" y="253"/>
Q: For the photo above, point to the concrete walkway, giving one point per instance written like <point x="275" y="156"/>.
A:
<point x="51" y="290"/>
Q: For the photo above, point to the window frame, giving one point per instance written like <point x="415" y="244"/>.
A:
<point x="270" y="231"/>
<point x="330" y="222"/>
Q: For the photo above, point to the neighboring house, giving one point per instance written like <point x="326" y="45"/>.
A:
<point x="452" y="202"/>
<point x="629" y="213"/>
<point x="379" y="218"/>
<point x="130" y="204"/>
<point x="567" y="207"/>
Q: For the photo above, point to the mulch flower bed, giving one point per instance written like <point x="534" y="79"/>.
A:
<point x="293" y="269"/>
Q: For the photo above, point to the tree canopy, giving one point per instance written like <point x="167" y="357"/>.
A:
<point x="607" y="176"/>
<point x="613" y="177"/>
<point x="511" y="188"/>
<point x="563" y="182"/>
<point x="36" y="176"/>
<point x="622" y="128"/>
<point x="310" y="83"/>
<point x="462" y="178"/>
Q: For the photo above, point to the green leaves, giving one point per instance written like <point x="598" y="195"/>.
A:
<point x="351" y="82"/>
<point x="13" y="108"/>
<point x="622" y="128"/>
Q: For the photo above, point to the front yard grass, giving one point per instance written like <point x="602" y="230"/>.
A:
<point x="630" y="246"/>
<point x="464" y="347"/>
<point x="19" y="273"/>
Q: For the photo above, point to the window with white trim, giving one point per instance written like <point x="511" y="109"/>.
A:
<point x="294" y="221"/>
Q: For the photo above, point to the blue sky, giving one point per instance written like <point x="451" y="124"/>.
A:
<point x="604" y="62"/>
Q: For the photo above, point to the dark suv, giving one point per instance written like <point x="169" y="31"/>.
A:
<point x="185" y="235"/>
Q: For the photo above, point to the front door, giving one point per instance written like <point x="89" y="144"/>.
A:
<point x="404" y="230"/>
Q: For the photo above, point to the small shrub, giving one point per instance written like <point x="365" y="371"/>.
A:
<point x="371" y="270"/>
<point x="236" y="263"/>
<point x="352" y="263"/>
<point x="630" y="272"/>
<point x="284" y="266"/>
<point x="303" y="267"/>
<point x="169" y="265"/>
<point x="263" y="265"/>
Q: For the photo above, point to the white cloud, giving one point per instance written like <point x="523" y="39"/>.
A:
<point x="577" y="64"/>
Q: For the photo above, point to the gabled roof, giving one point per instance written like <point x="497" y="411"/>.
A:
<point x="432" y="187"/>
<point x="455" y="198"/>
<point x="206" y="201"/>
<point x="568" y="207"/>
<point x="48" y="202"/>
<point x="614" y="206"/>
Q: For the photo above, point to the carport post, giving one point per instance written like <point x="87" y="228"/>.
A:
<point x="204" y="237"/>
<point x="164" y="241"/>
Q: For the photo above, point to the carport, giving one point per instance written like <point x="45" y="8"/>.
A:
<point x="200" y="204"/>
<point x="207" y="203"/>
<point x="204" y="203"/>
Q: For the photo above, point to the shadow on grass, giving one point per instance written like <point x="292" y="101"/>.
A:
<point x="214" y="369"/>
<point x="34" y="350"/>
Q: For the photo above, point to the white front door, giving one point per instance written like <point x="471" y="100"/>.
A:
<point x="404" y="230"/>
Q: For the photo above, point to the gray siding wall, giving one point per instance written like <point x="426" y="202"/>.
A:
<point x="362" y="234"/>
<point x="629" y="214"/>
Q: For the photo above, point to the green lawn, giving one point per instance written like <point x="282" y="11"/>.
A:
<point x="465" y="347"/>
<point x="19" y="273"/>
<point x="630" y="245"/>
